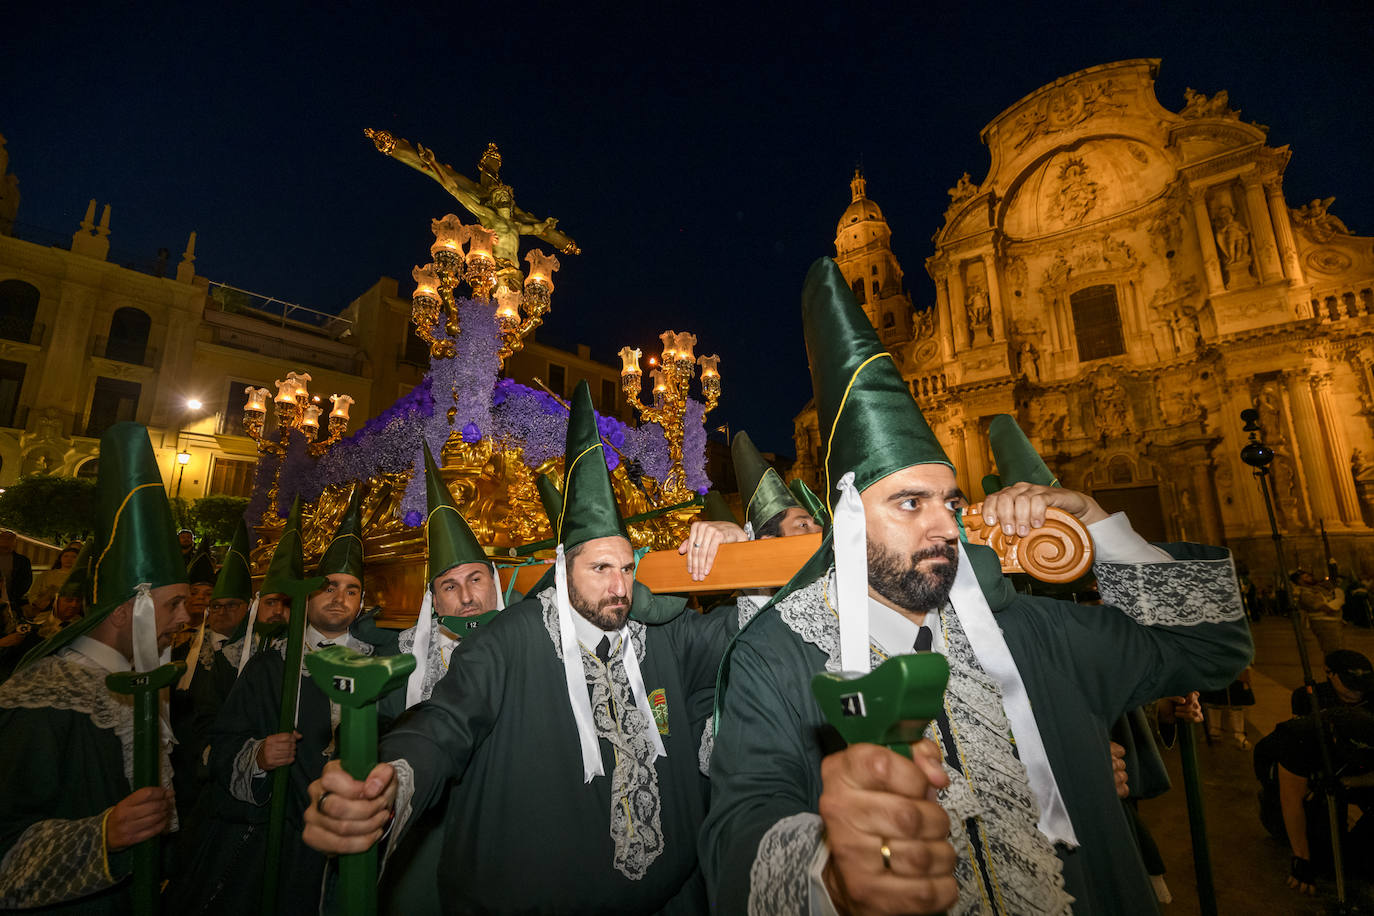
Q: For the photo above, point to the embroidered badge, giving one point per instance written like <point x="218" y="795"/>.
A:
<point x="658" y="702"/>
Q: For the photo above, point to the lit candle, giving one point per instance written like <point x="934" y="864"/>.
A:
<point x="542" y="267"/>
<point x="257" y="399"/>
<point x="341" y="404"/>
<point x="312" y="417"/>
<point x="508" y="305"/>
<point x="301" y="378"/>
<point x="683" y="345"/>
<point x="709" y="366"/>
<point x="449" y="235"/>
<point x="426" y="282"/>
<point x="629" y="360"/>
<point x="669" y="339"/>
<point x="660" y="386"/>
<point x="480" y="242"/>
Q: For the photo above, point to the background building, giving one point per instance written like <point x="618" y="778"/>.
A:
<point x="90" y="336"/>
<point x="1125" y="281"/>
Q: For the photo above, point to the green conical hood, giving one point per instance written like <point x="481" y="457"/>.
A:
<point x="716" y="509"/>
<point x="78" y="582"/>
<point x="589" y="509"/>
<point x="808" y="500"/>
<point x="345" y="552"/>
<point x="288" y="557"/>
<point x="200" y="569"/>
<point x="549" y="497"/>
<point x="235" y="576"/>
<point x="1017" y="460"/>
<point x="761" y="488"/>
<point x="135" y="532"/>
<point x="451" y="541"/>
<point x="869" y="420"/>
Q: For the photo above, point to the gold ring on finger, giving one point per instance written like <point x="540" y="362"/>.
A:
<point x="887" y="857"/>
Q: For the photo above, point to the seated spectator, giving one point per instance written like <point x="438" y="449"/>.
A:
<point x="1349" y="675"/>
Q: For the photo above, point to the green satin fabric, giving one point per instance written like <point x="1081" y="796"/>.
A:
<point x="344" y="555"/>
<point x="1017" y="461"/>
<point x="716" y="509"/>
<point x="760" y="486"/>
<point x="876" y="429"/>
<point x="288" y="557"/>
<point x="550" y="497"/>
<point x="809" y="501"/>
<point x="235" y="578"/>
<point x="449" y="538"/>
<point x="589" y="509"/>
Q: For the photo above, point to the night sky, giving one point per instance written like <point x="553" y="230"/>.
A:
<point x="699" y="154"/>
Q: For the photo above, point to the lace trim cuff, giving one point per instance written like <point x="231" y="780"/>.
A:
<point x="245" y="771"/>
<point x="55" y="861"/>
<point x="780" y="878"/>
<point x="708" y="742"/>
<point x="1180" y="593"/>
<point x="405" y="791"/>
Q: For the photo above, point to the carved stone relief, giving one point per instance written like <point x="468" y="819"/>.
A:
<point x="1197" y="105"/>
<point x="1063" y="108"/>
<point x="1077" y="194"/>
<point x="1319" y="223"/>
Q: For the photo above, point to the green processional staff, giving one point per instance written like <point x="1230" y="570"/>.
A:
<point x="1018" y="462"/>
<point x="356" y="682"/>
<point x="343" y="554"/>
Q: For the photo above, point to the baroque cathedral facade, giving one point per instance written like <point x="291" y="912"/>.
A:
<point x="1125" y="281"/>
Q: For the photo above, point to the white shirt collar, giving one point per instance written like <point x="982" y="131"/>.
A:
<point x="589" y="634"/>
<point x="313" y="639"/>
<point x="99" y="655"/>
<point x="895" y="633"/>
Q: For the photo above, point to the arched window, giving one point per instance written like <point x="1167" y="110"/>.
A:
<point x="889" y="320"/>
<point x="1096" y="322"/>
<point x="875" y="287"/>
<point x="18" y="307"/>
<point x="128" y="341"/>
<point x="859" y="291"/>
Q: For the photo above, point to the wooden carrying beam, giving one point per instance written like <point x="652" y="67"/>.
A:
<point x="1061" y="551"/>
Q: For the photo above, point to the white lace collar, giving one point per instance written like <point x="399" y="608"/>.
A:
<point x="96" y="654"/>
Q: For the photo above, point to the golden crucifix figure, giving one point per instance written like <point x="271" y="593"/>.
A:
<point x="488" y="199"/>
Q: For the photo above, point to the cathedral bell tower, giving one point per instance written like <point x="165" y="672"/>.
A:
<point x="864" y="253"/>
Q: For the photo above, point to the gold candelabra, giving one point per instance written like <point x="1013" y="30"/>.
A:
<point x="672" y="374"/>
<point x="296" y="411"/>
<point x="488" y="278"/>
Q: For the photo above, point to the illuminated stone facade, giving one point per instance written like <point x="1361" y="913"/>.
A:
<point x="1125" y="281"/>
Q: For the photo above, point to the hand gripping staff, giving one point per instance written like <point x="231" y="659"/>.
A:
<point x="300" y="591"/>
<point x="356" y="682"/>
<point x="144" y="686"/>
<point x="891" y="706"/>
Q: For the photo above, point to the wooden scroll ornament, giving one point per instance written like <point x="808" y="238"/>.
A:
<point x="1060" y="551"/>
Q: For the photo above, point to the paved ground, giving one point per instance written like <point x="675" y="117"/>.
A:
<point x="1250" y="868"/>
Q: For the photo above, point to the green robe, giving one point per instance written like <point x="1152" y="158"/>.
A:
<point x="224" y="874"/>
<point x="1082" y="667"/>
<point x="525" y="833"/>
<point x="65" y="761"/>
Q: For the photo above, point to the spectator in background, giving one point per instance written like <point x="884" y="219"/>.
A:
<point x="187" y="539"/>
<point x="1321" y="604"/>
<point x="48" y="582"/>
<point x="16" y="569"/>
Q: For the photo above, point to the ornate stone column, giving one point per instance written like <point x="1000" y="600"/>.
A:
<point x="1207" y="242"/>
<point x="994" y="295"/>
<point x="973" y="458"/>
<point x="959" y="455"/>
<point x="1337" y="451"/>
<point x="1266" y="248"/>
<point x="945" y="330"/>
<point x="1205" y="492"/>
<point x="1310" y="451"/>
<point x="957" y="307"/>
<point x="1283" y="229"/>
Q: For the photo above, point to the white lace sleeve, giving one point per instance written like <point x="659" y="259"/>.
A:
<point x="780" y="878"/>
<point x="55" y="861"/>
<point x="245" y="771"/>
<point x="1179" y="593"/>
<point x="405" y="791"/>
<point x="708" y="742"/>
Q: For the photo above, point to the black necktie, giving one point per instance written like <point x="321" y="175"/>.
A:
<point x="603" y="650"/>
<point x="924" y="637"/>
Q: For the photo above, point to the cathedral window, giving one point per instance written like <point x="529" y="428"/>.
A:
<point x="874" y="270"/>
<point x="859" y="291"/>
<point x="888" y="320"/>
<point x="1097" y="322"/>
<point x="875" y="287"/>
<point x="11" y="381"/>
<point x="18" y="306"/>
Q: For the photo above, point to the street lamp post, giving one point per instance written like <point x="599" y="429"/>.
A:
<point x="183" y="459"/>
<point x="1259" y="456"/>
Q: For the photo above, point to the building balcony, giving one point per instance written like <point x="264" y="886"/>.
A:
<point x="125" y="351"/>
<point x="12" y="327"/>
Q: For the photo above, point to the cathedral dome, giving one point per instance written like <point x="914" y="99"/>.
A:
<point x="860" y="209"/>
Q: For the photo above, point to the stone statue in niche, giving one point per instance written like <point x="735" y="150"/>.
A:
<point x="924" y="323"/>
<point x="979" y="311"/>
<point x="1233" y="239"/>
<point x="1028" y="361"/>
<point x="1315" y="219"/>
<point x="963" y="189"/>
<point x="1113" y="408"/>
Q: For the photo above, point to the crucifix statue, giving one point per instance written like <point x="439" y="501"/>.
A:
<point x="488" y="198"/>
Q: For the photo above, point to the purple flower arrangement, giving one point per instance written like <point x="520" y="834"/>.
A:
<point x="486" y="407"/>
